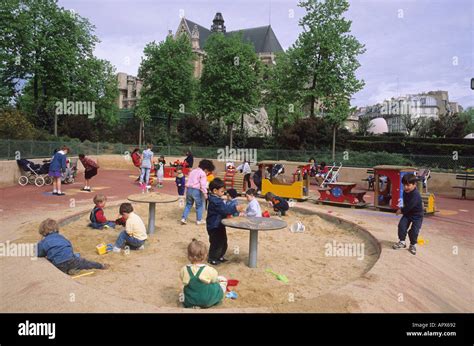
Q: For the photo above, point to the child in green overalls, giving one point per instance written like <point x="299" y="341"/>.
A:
<point x="202" y="286"/>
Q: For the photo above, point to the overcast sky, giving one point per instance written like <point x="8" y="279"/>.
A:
<point x="412" y="45"/>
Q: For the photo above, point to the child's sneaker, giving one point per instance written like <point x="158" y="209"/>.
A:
<point x="183" y="221"/>
<point x="399" y="245"/>
<point x="141" y="247"/>
<point x="116" y="249"/>
<point x="106" y="227"/>
<point x="412" y="249"/>
<point x="201" y="222"/>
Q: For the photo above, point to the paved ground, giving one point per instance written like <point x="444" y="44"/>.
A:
<point x="438" y="279"/>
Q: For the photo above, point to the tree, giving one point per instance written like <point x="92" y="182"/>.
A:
<point x="365" y="125"/>
<point x="230" y="81"/>
<point x="282" y="87"/>
<point x="411" y="123"/>
<point x="327" y="53"/>
<point x="168" y="82"/>
<point x="44" y="44"/>
<point x="15" y="125"/>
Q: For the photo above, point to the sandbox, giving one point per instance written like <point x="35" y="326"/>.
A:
<point x="310" y="260"/>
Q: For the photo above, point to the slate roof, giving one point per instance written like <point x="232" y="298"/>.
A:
<point x="263" y="38"/>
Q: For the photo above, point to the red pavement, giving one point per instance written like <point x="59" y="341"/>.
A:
<point x="455" y="215"/>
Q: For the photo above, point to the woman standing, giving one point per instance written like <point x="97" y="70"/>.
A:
<point x="147" y="161"/>
<point x="58" y="165"/>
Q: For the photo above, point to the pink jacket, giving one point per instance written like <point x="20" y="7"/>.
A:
<point x="197" y="179"/>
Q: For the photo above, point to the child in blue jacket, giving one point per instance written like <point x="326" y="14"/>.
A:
<point x="56" y="167"/>
<point x="180" y="181"/>
<point x="58" y="250"/>
<point x="412" y="211"/>
<point x="216" y="211"/>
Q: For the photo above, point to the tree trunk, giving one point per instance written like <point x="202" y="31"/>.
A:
<point x="55" y="124"/>
<point x="140" y="134"/>
<point x="168" y="128"/>
<point x="276" y="123"/>
<point x="229" y="129"/>
<point x="334" y="142"/>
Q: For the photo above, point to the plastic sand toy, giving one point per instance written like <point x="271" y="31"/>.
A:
<point x="280" y="277"/>
<point x="231" y="295"/>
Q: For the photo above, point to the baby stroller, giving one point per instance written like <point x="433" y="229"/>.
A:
<point x="69" y="176"/>
<point x="34" y="173"/>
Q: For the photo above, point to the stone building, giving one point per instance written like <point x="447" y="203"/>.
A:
<point x="424" y="105"/>
<point x="129" y="90"/>
<point x="263" y="39"/>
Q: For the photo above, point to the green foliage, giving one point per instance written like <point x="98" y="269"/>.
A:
<point x="411" y="147"/>
<point x="15" y="125"/>
<point x="194" y="130"/>
<point x="168" y="82"/>
<point x="327" y="58"/>
<point x="52" y="50"/>
<point x="364" y="126"/>
<point x="230" y="82"/>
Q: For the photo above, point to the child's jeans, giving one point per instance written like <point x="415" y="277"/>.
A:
<point x="194" y="195"/>
<point x="125" y="239"/>
<point x="218" y="243"/>
<point x="145" y="176"/>
<point x="181" y="190"/>
<point x="403" y="225"/>
<point x="99" y="225"/>
<point x="78" y="263"/>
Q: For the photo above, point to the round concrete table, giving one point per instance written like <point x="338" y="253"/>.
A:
<point x="254" y="224"/>
<point x="152" y="198"/>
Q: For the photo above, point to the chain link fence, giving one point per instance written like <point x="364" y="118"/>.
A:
<point x="15" y="149"/>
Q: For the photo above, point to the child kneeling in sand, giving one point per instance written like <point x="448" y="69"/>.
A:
<point x="203" y="287"/>
<point x="134" y="234"/>
<point x="58" y="250"/>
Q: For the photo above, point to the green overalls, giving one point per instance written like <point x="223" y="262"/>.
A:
<point x="198" y="293"/>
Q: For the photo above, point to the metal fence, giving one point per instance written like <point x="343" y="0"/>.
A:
<point x="14" y="149"/>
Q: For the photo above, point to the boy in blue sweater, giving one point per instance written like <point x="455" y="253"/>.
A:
<point x="216" y="211"/>
<point x="58" y="250"/>
<point x="412" y="211"/>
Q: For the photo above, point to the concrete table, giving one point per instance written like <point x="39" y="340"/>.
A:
<point x="254" y="224"/>
<point x="152" y="198"/>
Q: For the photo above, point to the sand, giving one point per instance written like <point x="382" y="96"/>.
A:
<point x="151" y="277"/>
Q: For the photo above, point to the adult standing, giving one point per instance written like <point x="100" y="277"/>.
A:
<point x="196" y="190"/>
<point x="147" y="161"/>
<point x="247" y="171"/>
<point x="90" y="170"/>
<point x="58" y="165"/>
<point x="189" y="159"/>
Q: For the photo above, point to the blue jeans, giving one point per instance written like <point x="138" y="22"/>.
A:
<point x="403" y="225"/>
<point x="98" y="225"/>
<point x="194" y="195"/>
<point x="145" y="176"/>
<point x="125" y="239"/>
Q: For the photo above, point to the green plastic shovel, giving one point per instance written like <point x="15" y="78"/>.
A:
<point x="280" y="277"/>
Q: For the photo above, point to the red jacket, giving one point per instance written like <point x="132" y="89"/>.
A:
<point x="136" y="159"/>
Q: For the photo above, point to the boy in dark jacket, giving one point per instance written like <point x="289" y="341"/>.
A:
<point x="216" y="211"/>
<point x="58" y="250"/>
<point x="279" y="204"/>
<point x="412" y="211"/>
<point x="180" y="181"/>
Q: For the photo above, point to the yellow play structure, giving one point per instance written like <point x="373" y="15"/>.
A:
<point x="298" y="189"/>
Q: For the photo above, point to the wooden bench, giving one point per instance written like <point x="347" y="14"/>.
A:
<point x="370" y="180"/>
<point x="465" y="177"/>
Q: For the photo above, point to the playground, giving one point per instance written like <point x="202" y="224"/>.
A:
<point x="371" y="277"/>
